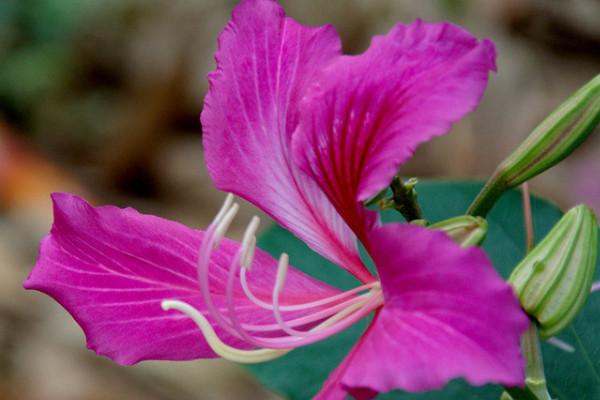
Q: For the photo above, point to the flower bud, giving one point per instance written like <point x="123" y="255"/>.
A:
<point x="554" y="280"/>
<point x="465" y="229"/>
<point x="548" y="144"/>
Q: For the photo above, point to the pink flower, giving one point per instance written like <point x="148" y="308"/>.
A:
<point x="306" y="134"/>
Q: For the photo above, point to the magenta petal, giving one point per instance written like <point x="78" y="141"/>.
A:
<point x="447" y="314"/>
<point x="333" y="388"/>
<point x="264" y="63"/>
<point x="366" y="114"/>
<point x="111" y="268"/>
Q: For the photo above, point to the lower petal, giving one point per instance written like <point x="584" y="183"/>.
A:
<point x="112" y="268"/>
<point x="447" y="314"/>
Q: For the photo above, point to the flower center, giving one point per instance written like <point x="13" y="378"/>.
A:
<point x="311" y="321"/>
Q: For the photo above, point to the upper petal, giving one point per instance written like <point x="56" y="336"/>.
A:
<point x="366" y="114"/>
<point x="111" y="269"/>
<point x="264" y="63"/>
<point x="447" y="314"/>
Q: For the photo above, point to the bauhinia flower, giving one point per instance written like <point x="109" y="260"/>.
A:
<point x="305" y="133"/>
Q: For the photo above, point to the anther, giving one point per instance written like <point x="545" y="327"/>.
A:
<point x="282" y="268"/>
<point x="224" y="224"/>
<point x="247" y="257"/>
<point x="224" y="208"/>
<point x="249" y="244"/>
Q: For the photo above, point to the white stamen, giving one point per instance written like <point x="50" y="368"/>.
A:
<point x="222" y="349"/>
<point x="345" y="312"/>
<point x="561" y="345"/>
<point x="224" y="224"/>
<point x="249" y="255"/>
<point x="282" y="268"/>
<point x="249" y="244"/>
<point x="303" y="306"/>
<point x="337" y="313"/>
<point x="223" y="210"/>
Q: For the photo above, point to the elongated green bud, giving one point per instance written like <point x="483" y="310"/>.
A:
<point x="554" y="280"/>
<point x="547" y="145"/>
<point x="465" y="229"/>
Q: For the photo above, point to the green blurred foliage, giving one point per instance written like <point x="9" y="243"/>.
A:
<point x="35" y="59"/>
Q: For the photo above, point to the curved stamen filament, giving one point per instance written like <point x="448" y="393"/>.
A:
<point x="327" y="328"/>
<point x="218" y="346"/>
<point x="316" y="303"/>
<point x="308" y="319"/>
<point x="368" y="305"/>
<point x="338" y="320"/>
<point x="331" y="314"/>
<point x="278" y="288"/>
<point x="345" y="309"/>
<point x="235" y="323"/>
<point x="215" y="231"/>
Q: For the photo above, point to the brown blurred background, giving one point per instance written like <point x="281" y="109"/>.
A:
<point x="103" y="99"/>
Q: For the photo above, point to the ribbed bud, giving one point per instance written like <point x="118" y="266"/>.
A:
<point x="548" y="144"/>
<point x="465" y="229"/>
<point x="554" y="280"/>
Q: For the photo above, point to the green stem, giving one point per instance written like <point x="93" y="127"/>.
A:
<point x="404" y="199"/>
<point x="535" y="379"/>
<point x="493" y="190"/>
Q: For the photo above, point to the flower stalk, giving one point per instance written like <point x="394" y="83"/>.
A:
<point x="403" y="200"/>
<point x="535" y="380"/>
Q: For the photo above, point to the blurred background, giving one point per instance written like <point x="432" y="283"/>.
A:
<point x="103" y="99"/>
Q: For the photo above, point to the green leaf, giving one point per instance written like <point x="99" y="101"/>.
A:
<point x="300" y="374"/>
